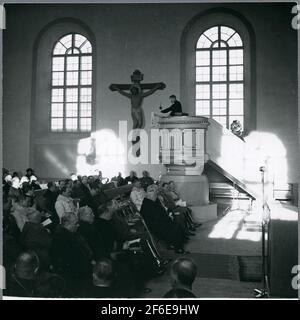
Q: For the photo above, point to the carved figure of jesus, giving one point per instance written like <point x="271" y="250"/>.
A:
<point x="136" y="96"/>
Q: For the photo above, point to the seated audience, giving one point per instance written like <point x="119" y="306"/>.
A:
<point x="19" y="205"/>
<point x="183" y="274"/>
<point x="77" y="192"/>
<point x="50" y="196"/>
<point x="91" y="234"/>
<point x="146" y="180"/>
<point x="118" y="179"/>
<point x="37" y="238"/>
<point x="181" y="213"/>
<point x="173" y="191"/>
<point x="137" y="194"/>
<point x="158" y="221"/>
<point x="50" y="285"/>
<point x="131" y="178"/>
<point x="64" y="202"/>
<point x="29" y="173"/>
<point x="71" y="255"/>
<point x="103" y="280"/>
<point x="105" y="225"/>
<point x="178" y="213"/>
<point x="21" y="282"/>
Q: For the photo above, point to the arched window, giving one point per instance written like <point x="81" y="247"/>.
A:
<point x="71" y="84"/>
<point x="220" y="75"/>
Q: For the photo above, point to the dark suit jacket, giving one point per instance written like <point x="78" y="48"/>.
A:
<point x="71" y="257"/>
<point x="94" y="238"/>
<point x="159" y="223"/>
<point x="35" y="237"/>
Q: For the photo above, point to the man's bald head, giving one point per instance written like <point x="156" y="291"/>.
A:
<point x="86" y="214"/>
<point x="27" y="264"/>
<point x="69" y="221"/>
<point x="183" y="272"/>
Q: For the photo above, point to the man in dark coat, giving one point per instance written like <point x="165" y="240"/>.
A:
<point x="158" y="221"/>
<point x="183" y="273"/>
<point x="91" y="233"/>
<point x="72" y="256"/>
<point x="37" y="238"/>
<point x="175" y="108"/>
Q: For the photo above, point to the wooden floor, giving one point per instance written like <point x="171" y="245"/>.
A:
<point x="218" y="248"/>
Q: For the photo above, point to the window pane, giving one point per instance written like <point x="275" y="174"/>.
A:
<point x="202" y="107"/>
<point x="220" y="119"/>
<point x="72" y="63"/>
<point x="236" y="56"/>
<point x="202" y="74"/>
<point x="72" y="95"/>
<point x="202" y="91"/>
<point x="57" y="110"/>
<point x="59" y="49"/>
<point x="235" y="41"/>
<point x="86" y="63"/>
<point x="57" y="78"/>
<point x="57" y="95"/>
<point x="79" y="40"/>
<point x="212" y="34"/>
<point x="67" y="41"/>
<point x="58" y="64"/>
<point x="86" y="77"/>
<point x="219" y="73"/>
<point x="85" y="110"/>
<point x="57" y="124"/>
<point x="203" y="42"/>
<point x="219" y="91"/>
<point x="226" y="33"/>
<point x="71" y="124"/>
<point x="71" y="110"/>
<point x="236" y="106"/>
<point x="219" y="107"/>
<point x="239" y="118"/>
<point x="236" y="73"/>
<point x="236" y="91"/>
<point x="86" y="94"/>
<point x="202" y="58"/>
<point x="219" y="57"/>
<point x="85" y="124"/>
<point x="72" y="78"/>
<point x="86" y="48"/>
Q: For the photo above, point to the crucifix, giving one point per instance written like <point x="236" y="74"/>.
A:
<point x="136" y="95"/>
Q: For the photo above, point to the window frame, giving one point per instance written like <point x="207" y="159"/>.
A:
<point x="79" y="86"/>
<point x="189" y="38"/>
<point x="227" y="82"/>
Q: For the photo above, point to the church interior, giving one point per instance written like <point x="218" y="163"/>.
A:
<point x="150" y="150"/>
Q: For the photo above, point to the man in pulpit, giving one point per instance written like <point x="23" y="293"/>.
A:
<point x="175" y="107"/>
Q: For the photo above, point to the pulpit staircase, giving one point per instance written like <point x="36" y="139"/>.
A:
<point x="232" y="168"/>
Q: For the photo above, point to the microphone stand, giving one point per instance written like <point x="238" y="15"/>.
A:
<point x="264" y="292"/>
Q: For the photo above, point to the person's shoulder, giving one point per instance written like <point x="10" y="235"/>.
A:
<point x="179" y="293"/>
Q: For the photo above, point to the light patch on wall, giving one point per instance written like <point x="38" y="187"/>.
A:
<point x="54" y="160"/>
<point x="272" y="154"/>
<point x="103" y="151"/>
